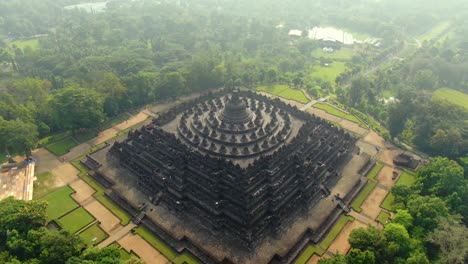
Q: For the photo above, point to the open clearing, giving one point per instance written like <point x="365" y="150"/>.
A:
<point x="285" y="92"/>
<point x="22" y="44"/>
<point x="93" y="235"/>
<point x="453" y="96"/>
<point x="341" y="54"/>
<point x="328" y="73"/>
<point x="337" y="112"/>
<point x="60" y="202"/>
<point x="76" y="220"/>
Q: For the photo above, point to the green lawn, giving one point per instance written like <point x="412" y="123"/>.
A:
<point x="111" y="122"/>
<point x="286" y="92"/>
<point x="125" y="255"/>
<point x="60" y="202"/>
<point x="407" y="178"/>
<point x="453" y="96"/>
<point x="186" y="258"/>
<point x="356" y="204"/>
<point x="22" y="44"/>
<point x="341" y="54"/>
<point x="53" y="138"/>
<point x="86" y="136"/>
<point x="75" y="220"/>
<point x="92" y="232"/>
<point x="383" y="217"/>
<point x="61" y="147"/>
<point x="44" y="184"/>
<point x="100" y="195"/>
<point x="329" y="73"/>
<point x="333" y="233"/>
<point x="375" y="171"/>
<point x="434" y="32"/>
<point x="308" y="253"/>
<point x="159" y="245"/>
<point x="337" y="112"/>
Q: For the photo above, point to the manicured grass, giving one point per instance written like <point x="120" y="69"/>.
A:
<point x="453" y="96"/>
<point x="44" y="184"/>
<point x="286" y="92"/>
<point x="337" y="112"/>
<point x="100" y="195"/>
<point x="333" y="233"/>
<point x="383" y="217"/>
<point x="60" y="202"/>
<point x="53" y="138"/>
<point x="356" y="204"/>
<point x="308" y="253"/>
<point x="434" y="32"/>
<point x="407" y="178"/>
<point x="341" y="54"/>
<point x="328" y="73"/>
<point x="375" y="171"/>
<point x="75" y="220"/>
<point x="85" y="136"/>
<point x="62" y="147"/>
<point x="92" y="232"/>
<point x="125" y="255"/>
<point x="186" y="258"/>
<point x="111" y="123"/>
<point x="159" y="245"/>
<point x="22" y="44"/>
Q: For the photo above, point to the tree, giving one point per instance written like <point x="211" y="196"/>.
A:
<point x="426" y="211"/>
<point x="20" y="216"/>
<point x="17" y="136"/>
<point x="77" y="107"/>
<point x="442" y="177"/>
<point x="337" y="259"/>
<point x="398" y="241"/>
<point x="372" y="239"/>
<point x="452" y="239"/>
<point x="359" y="87"/>
<point x="356" y="256"/>
<point x="417" y="258"/>
<point x="404" y="218"/>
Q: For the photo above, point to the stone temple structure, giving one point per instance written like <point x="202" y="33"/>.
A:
<point x="235" y="162"/>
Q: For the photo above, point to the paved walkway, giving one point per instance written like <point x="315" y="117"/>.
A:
<point x="117" y="235"/>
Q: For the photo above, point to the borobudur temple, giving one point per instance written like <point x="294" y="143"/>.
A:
<point x="235" y="161"/>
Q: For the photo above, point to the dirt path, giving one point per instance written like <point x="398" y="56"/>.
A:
<point x="341" y="244"/>
<point x="143" y="249"/>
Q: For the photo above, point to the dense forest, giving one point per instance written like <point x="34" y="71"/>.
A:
<point x="138" y="52"/>
<point x="67" y="69"/>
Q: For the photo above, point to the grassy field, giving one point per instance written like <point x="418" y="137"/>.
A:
<point x="92" y="232"/>
<point x="329" y="73"/>
<point x="308" y="253"/>
<point x="53" y="138"/>
<point x="356" y="204"/>
<point x="383" y="217"/>
<point x="159" y="245"/>
<point x="111" y="122"/>
<point x="342" y="54"/>
<point x="100" y="195"/>
<point x="407" y="178"/>
<point x="125" y="255"/>
<point x="333" y="233"/>
<point x="186" y="258"/>
<point x="85" y="136"/>
<point x="22" y="44"/>
<point x="44" y="184"/>
<point x="337" y="112"/>
<point x="286" y="92"/>
<point x="434" y="32"/>
<point x="60" y="202"/>
<point x="75" y="220"/>
<point x="453" y="96"/>
<point x="375" y="171"/>
<point x="61" y="147"/>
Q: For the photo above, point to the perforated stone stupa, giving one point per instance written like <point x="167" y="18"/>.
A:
<point x="235" y="162"/>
